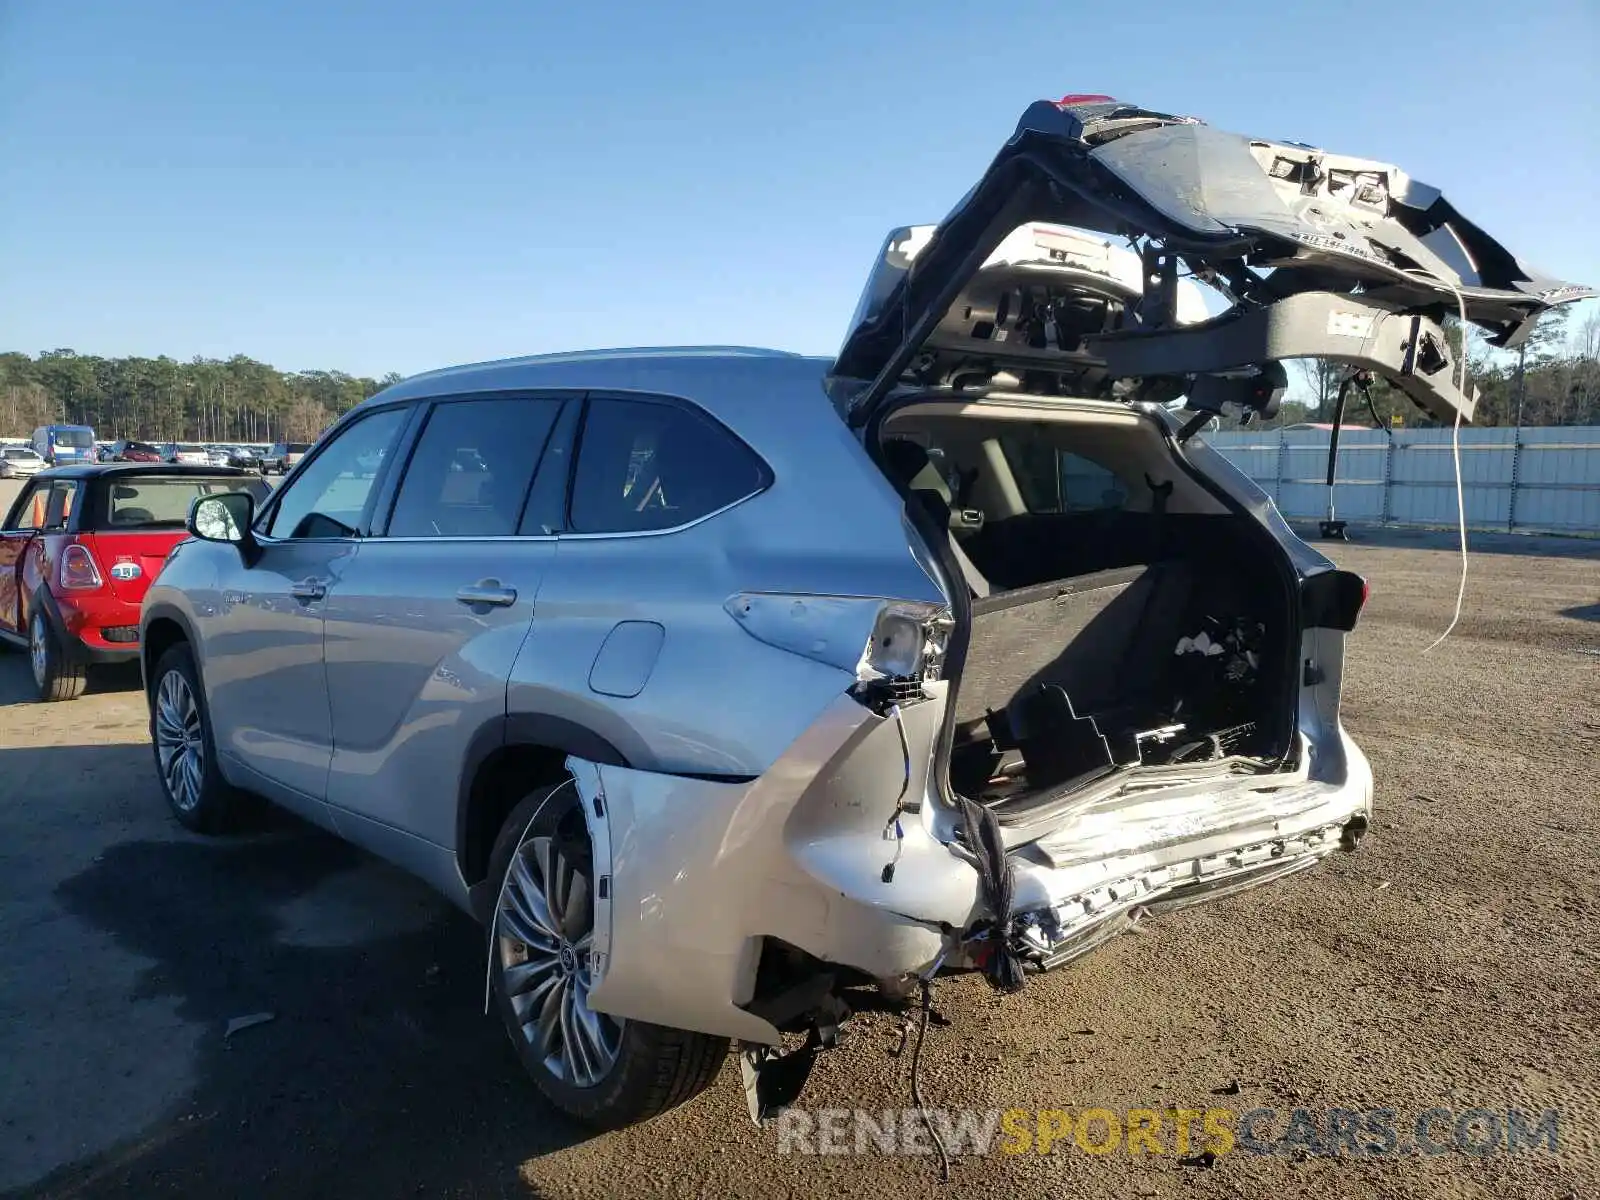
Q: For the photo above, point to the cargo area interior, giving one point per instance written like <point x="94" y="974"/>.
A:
<point x="1123" y="617"/>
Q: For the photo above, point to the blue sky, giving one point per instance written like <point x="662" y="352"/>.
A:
<point x="392" y="186"/>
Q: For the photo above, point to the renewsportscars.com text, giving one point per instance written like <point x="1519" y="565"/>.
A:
<point x="1180" y="1132"/>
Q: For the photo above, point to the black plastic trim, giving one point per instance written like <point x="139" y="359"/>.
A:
<point x="1332" y="600"/>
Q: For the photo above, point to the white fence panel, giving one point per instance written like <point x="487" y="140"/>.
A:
<point x="1544" y="479"/>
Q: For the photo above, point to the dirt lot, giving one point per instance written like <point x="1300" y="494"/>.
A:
<point x="1451" y="962"/>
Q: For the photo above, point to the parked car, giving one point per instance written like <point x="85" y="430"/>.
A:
<point x="19" y="462"/>
<point x="132" y="451"/>
<point x="245" y="457"/>
<point x="281" y="458"/>
<point x="59" y="445"/>
<point x="957" y="651"/>
<point x="78" y="548"/>
<point x="187" y="453"/>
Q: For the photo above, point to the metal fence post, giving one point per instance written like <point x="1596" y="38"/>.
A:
<point x="1516" y="466"/>
<point x="1277" y="473"/>
<point x="1388" y="476"/>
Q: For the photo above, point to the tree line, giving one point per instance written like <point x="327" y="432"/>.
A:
<point x="1552" y="380"/>
<point x="161" y="399"/>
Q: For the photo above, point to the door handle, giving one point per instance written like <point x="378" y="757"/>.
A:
<point x="487" y="591"/>
<point x="308" y="589"/>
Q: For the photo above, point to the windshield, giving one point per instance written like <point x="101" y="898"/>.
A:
<point x="297" y="447"/>
<point x="81" y="438"/>
<point x="164" y="503"/>
<point x="18" y="452"/>
<point x="190" y="448"/>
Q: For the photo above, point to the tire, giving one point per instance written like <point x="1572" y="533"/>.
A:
<point x="180" y="735"/>
<point x="54" y="674"/>
<point x="652" y="1067"/>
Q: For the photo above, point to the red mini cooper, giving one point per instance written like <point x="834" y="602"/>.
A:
<point x="77" y="551"/>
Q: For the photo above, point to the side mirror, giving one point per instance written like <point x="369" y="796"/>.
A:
<point x="225" y="517"/>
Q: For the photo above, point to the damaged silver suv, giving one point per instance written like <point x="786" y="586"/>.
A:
<point x="726" y="687"/>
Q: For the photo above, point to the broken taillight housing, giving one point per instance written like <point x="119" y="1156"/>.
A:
<point x="874" y="639"/>
<point x="79" y="572"/>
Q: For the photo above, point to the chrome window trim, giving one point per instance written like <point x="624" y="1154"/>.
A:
<point x="639" y="533"/>
<point x="553" y="537"/>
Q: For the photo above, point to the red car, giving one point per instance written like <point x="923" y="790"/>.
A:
<point x="130" y="451"/>
<point x="77" y="552"/>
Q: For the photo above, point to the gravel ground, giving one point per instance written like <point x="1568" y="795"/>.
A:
<point x="1450" y="963"/>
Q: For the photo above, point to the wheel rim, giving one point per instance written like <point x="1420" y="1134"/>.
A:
<point x="38" y="649"/>
<point x="180" y="748"/>
<point x="546" y="930"/>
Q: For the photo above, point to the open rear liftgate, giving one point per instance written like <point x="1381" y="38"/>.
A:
<point x="1319" y="255"/>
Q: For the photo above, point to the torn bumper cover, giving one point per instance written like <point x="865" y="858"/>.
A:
<point x="693" y="875"/>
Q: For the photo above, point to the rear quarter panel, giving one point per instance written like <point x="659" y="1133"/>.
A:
<point x="715" y="700"/>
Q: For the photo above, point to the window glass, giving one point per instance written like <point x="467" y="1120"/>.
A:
<point x="1056" y="481"/>
<point x="63" y="494"/>
<point x="471" y="468"/>
<point x="144" y="503"/>
<point x="644" y="466"/>
<point x="30" y="509"/>
<point x="327" y="498"/>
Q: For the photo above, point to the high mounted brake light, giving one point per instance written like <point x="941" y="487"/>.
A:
<point x="79" y="571"/>
<point x="1083" y="98"/>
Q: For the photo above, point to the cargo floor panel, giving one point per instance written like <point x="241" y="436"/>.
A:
<point x="1069" y="681"/>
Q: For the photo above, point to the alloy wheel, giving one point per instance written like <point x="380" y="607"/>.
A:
<point x="39" y="649"/>
<point x="180" y="746"/>
<point x="545" y="928"/>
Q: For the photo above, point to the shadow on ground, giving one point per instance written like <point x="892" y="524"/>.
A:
<point x="17" y="686"/>
<point x="379" y="1074"/>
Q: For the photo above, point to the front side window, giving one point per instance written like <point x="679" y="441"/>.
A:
<point x="54" y="510"/>
<point x="30" y="509"/>
<point x="327" y="498"/>
<point x="472" y="467"/>
<point x="645" y="466"/>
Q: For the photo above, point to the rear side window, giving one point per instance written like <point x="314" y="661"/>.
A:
<point x="645" y="466"/>
<point x="472" y="467"/>
<point x="1057" y="481"/>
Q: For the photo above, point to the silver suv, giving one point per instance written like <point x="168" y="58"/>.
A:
<point x="726" y="686"/>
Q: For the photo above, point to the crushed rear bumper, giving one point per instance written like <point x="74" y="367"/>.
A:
<point x="694" y="875"/>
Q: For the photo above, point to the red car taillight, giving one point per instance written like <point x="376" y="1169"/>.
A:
<point x="79" y="571"/>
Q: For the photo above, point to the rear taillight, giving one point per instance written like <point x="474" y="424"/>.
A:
<point x="876" y="639"/>
<point x="1332" y="600"/>
<point x="79" y="571"/>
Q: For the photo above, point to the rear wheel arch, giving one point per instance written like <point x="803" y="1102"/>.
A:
<point x="161" y="633"/>
<point x="506" y="760"/>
